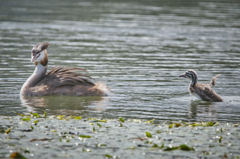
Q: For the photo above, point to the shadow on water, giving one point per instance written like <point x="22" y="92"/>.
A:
<point x="64" y="105"/>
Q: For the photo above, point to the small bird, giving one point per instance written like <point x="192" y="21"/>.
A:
<point x="200" y="90"/>
<point x="59" y="80"/>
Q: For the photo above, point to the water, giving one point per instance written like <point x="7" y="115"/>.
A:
<point x="137" y="48"/>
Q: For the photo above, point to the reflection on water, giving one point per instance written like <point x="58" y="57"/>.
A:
<point x="138" y="48"/>
<point x="204" y="109"/>
<point x="64" y="105"/>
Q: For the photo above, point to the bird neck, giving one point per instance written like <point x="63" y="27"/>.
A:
<point x="37" y="76"/>
<point x="194" y="78"/>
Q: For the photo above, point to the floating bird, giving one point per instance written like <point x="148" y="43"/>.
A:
<point x="200" y="90"/>
<point x="59" y="80"/>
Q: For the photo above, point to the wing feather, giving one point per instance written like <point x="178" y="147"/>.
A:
<point x="66" y="76"/>
<point x="213" y="81"/>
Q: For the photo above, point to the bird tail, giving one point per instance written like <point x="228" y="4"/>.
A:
<point x="102" y="88"/>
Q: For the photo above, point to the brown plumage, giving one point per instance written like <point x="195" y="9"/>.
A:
<point x="66" y="76"/>
<point x="59" y="80"/>
<point x="200" y="90"/>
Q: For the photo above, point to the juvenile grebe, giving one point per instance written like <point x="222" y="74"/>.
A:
<point x="200" y="90"/>
<point x="59" y="80"/>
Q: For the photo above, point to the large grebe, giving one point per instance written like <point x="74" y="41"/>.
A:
<point x="59" y="80"/>
<point x="200" y="90"/>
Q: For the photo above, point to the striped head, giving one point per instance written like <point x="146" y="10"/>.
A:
<point x="191" y="75"/>
<point x="39" y="53"/>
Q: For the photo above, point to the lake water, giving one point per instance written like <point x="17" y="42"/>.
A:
<point x="137" y="48"/>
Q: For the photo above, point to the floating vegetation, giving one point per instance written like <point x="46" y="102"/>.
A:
<point x="148" y="134"/>
<point x="42" y="136"/>
<point x="17" y="155"/>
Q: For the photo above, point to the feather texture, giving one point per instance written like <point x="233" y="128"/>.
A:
<point x="59" y="80"/>
<point x="200" y="90"/>
<point x="65" y="76"/>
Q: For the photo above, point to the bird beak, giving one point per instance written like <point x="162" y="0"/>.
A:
<point x="183" y="75"/>
<point x="34" y="57"/>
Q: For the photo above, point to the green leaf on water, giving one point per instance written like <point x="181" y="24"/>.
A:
<point x="207" y="124"/>
<point x="121" y="119"/>
<point x="162" y="146"/>
<point x="170" y="148"/>
<point x="158" y="131"/>
<point x="185" y="147"/>
<point x="60" y="117"/>
<point x="45" y="114"/>
<point x="32" y="127"/>
<point x="71" y="117"/>
<point x="26" y="151"/>
<point x="2" y="131"/>
<point x="195" y="124"/>
<point x="26" y="119"/>
<point x="170" y="126"/>
<point x="178" y="124"/>
<point x="220" y="139"/>
<point x="155" y="146"/>
<point x="86" y="150"/>
<point x="84" y="136"/>
<point x="148" y="142"/>
<point x="181" y="147"/>
<point x="108" y="156"/>
<point x="91" y="118"/>
<point x="131" y="148"/>
<point x="35" y="114"/>
<point x="103" y="144"/>
<point x="17" y="155"/>
<point x="217" y="123"/>
<point x="148" y="134"/>
<point x="35" y="122"/>
<point x="8" y="131"/>
<point x="20" y="114"/>
<point x="103" y="120"/>
<point x="78" y="118"/>
<point x="99" y="125"/>
<point x="150" y="121"/>
<point x="93" y="128"/>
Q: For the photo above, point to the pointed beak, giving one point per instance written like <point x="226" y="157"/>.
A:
<point x="183" y="75"/>
<point x="34" y="57"/>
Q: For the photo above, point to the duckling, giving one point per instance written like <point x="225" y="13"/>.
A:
<point x="59" y="80"/>
<point x="200" y="90"/>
